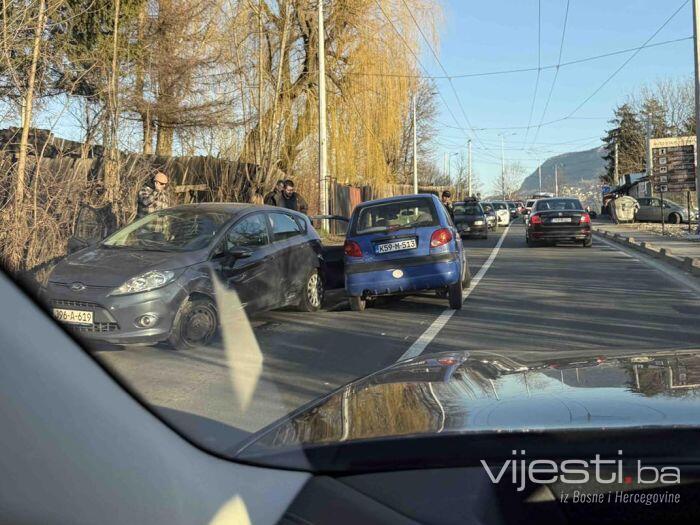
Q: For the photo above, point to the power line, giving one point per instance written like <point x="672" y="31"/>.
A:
<point x="539" y="65"/>
<point x="449" y="80"/>
<point x="556" y="72"/>
<point x="605" y="82"/>
<point x="410" y="49"/>
<point x="526" y="69"/>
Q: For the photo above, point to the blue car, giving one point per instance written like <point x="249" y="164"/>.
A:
<point x="402" y="245"/>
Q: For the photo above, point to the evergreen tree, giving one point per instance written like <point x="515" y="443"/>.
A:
<point x="628" y="133"/>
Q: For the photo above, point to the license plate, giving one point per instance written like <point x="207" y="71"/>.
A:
<point x="72" y="316"/>
<point x="407" y="244"/>
<point x="561" y="219"/>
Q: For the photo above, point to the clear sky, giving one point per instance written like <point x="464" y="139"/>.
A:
<point x="483" y="36"/>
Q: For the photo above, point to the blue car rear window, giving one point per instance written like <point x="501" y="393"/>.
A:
<point x="395" y="215"/>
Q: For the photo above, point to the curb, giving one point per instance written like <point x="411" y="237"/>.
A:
<point x="688" y="264"/>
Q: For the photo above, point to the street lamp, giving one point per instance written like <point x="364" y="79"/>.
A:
<point x="503" y="163"/>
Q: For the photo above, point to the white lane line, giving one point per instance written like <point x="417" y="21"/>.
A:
<point x="434" y="329"/>
<point x="669" y="272"/>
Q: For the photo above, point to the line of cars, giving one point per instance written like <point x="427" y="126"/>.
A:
<point x="154" y="280"/>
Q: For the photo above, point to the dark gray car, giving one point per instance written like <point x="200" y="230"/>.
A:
<point x="152" y="281"/>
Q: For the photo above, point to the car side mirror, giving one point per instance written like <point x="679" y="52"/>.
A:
<point x="239" y="252"/>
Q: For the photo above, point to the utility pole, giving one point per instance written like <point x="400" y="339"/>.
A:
<point x="444" y="164"/>
<point x="503" y="170"/>
<point x="696" y="25"/>
<point x="556" y="181"/>
<point x="617" y="172"/>
<point x="322" y="159"/>
<point x="415" y="148"/>
<point x="648" y="148"/>
<point x="469" y="168"/>
<point x="539" y="173"/>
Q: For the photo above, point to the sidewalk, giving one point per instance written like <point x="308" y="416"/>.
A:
<point x="677" y="247"/>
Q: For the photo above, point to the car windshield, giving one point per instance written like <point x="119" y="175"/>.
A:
<point x="394" y="215"/>
<point x="468" y="209"/>
<point x="529" y="204"/>
<point x="170" y="230"/>
<point x="558" y="204"/>
<point x="250" y="211"/>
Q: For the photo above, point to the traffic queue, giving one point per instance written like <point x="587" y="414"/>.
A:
<point x="155" y="280"/>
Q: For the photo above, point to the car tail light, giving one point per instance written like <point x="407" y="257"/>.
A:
<point x="535" y="219"/>
<point x="440" y="237"/>
<point x="585" y="218"/>
<point x="352" y="249"/>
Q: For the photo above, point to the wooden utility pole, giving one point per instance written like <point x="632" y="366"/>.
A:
<point x="696" y="53"/>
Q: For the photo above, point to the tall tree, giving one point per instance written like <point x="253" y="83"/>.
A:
<point x="628" y="133"/>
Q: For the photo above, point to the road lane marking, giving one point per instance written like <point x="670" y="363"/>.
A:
<point x="672" y="273"/>
<point x="426" y="337"/>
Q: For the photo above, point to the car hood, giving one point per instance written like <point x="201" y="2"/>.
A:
<point x="100" y="266"/>
<point x="459" y="392"/>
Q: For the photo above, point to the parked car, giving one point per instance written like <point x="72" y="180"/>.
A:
<point x="470" y="219"/>
<point x="650" y="209"/>
<point x="151" y="281"/>
<point x="402" y="245"/>
<point x="490" y="212"/>
<point x="557" y="220"/>
<point x="502" y="212"/>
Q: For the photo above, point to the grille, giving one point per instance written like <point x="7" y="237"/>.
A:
<point x="97" y="328"/>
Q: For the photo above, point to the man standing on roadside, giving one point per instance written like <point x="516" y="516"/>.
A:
<point x="153" y="196"/>
<point x="271" y="197"/>
<point x="447" y="203"/>
<point x="290" y="199"/>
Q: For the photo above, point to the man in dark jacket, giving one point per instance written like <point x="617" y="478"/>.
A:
<point x="290" y="199"/>
<point x="270" y="198"/>
<point x="447" y="203"/>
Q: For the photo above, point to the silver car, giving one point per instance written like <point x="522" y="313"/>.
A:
<point x="650" y="210"/>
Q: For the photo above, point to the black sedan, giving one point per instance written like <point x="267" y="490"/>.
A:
<point x="152" y="280"/>
<point x="470" y="219"/>
<point x="558" y="220"/>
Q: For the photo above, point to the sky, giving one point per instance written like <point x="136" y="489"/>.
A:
<point x="484" y="36"/>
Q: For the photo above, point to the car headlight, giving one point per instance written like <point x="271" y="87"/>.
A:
<point x="145" y="282"/>
<point x="478" y="223"/>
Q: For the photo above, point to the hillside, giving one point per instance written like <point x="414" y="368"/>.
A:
<point x="578" y="169"/>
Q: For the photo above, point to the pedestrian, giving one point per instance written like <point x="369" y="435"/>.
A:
<point x="270" y="198"/>
<point x="447" y="203"/>
<point x="290" y="199"/>
<point x="153" y="196"/>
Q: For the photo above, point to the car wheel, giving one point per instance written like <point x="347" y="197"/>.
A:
<point x="454" y="295"/>
<point x="357" y="304"/>
<point x="195" y="324"/>
<point x="311" y="293"/>
<point x="675" y="218"/>
<point x="588" y="243"/>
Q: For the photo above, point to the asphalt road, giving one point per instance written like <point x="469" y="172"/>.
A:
<point x="531" y="304"/>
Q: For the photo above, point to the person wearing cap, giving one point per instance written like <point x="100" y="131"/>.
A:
<point x="271" y="198"/>
<point x="153" y="196"/>
<point x="447" y="202"/>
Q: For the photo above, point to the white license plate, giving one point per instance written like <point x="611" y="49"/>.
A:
<point x="561" y="219"/>
<point x="408" y="244"/>
<point x="72" y="316"/>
